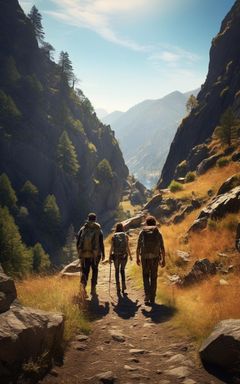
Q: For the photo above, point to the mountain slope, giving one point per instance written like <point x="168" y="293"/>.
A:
<point x="145" y="132"/>
<point x="39" y="110"/>
<point x="220" y="91"/>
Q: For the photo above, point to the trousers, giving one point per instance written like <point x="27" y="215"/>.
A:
<point x="149" y="273"/>
<point x="120" y="264"/>
<point x="87" y="264"/>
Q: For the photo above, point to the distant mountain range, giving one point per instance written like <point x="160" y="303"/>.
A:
<point x="146" y="131"/>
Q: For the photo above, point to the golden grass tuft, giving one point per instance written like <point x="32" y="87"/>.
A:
<point x="55" y="294"/>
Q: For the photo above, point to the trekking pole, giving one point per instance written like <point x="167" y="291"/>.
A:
<point x="110" y="275"/>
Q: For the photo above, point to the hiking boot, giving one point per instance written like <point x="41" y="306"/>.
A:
<point x="146" y="300"/>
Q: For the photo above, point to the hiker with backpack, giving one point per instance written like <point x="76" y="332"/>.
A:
<point x="150" y="249"/>
<point x="119" y="252"/>
<point x="90" y="248"/>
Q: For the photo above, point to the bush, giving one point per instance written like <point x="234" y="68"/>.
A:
<point x="175" y="186"/>
<point x="222" y="162"/>
<point x="190" y="176"/>
<point x="104" y="170"/>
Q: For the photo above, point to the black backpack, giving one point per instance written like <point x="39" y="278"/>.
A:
<point x="151" y="242"/>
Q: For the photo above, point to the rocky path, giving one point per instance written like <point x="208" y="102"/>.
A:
<point x="130" y="343"/>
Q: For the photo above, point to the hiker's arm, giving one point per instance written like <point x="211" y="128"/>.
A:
<point x="128" y="249"/>
<point x="138" y="249"/>
<point x="101" y="245"/>
<point x="162" y="254"/>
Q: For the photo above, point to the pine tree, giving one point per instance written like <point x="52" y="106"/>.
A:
<point x="29" y="192"/>
<point x="41" y="260"/>
<point x="65" y="65"/>
<point x="66" y="155"/>
<point x="226" y="130"/>
<point x="15" y="258"/>
<point x="51" y="213"/>
<point x="7" y="194"/>
<point x="191" y="103"/>
<point x="36" y="20"/>
<point x="104" y="170"/>
<point x="69" y="252"/>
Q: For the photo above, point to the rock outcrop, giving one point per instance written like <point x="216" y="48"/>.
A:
<point x="200" y="270"/>
<point x="27" y="336"/>
<point x="229" y="184"/>
<point x="222" y="347"/>
<point x="220" y="91"/>
<point x="133" y="222"/>
<point x="8" y="292"/>
<point x="71" y="270"/>
<point x="218" y="207"/>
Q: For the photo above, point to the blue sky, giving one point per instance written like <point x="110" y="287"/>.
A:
<point x="126" y="51"/>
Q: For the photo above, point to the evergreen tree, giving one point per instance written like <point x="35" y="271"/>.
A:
<point x="65" y="65"/>
<point x="51" y="213"/>
<point x="15" y="258"/>
<point x="104" y="170"/>
<point x="36" y="20"/>
<point x="69" y="252"/>
<point x="41" y="260"/>
<point x="7" y="194"/>
<point x="29" y="192"/>
<point x="66" y="155"/>
<point x="226" y="130"/>
<point x="191" y="103"/>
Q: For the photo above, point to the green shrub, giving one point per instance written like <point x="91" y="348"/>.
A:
<point x="175" y="186"/>
<point x="104" y="170"/>
<point x="190" y="176"/>
<point x="222" y="162"/>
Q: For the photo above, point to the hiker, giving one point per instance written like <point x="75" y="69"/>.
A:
<point x="90" y="247"/>
<point x="237" y="243"/>
<point x="151" y="249"/>
<point x="119" y="252"/>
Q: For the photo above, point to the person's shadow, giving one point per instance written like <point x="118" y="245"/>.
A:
<point x="95" y="309"/>
<point x="125" y="307"/>
<point x="158" y="313"/>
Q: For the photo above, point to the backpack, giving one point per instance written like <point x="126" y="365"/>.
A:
<point x="120" y="244"/>
<point x="89" y="241"/>
<point x="151" y="241"/>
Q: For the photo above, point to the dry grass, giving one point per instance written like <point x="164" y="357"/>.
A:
<point x="210" y="180"/>
<point x="56" y="295"/>
<point x="202" y="306"/>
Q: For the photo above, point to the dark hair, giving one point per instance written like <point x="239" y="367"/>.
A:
<point x="150" y="220"/>
<point x="119" y="227"/>
<point x="92" y="216"/>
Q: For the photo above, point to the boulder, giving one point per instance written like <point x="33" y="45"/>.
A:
<point x="236" y="156"/>
<point x="218" y="207"/>
<point x="133" y="222"/>
<point x="8" y="291"/>
<point x="222" y="347"/>
<point x="208" y="163"/>
<point x="72" y="269"/>
<point x="229" y="184"/>
<point x="201" y="269"/>
<point x="154" y="202"/>
<point x="28" y="334"/>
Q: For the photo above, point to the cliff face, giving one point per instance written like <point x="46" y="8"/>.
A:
<point x="220" y="91"/>
<point x="37" y="106"/>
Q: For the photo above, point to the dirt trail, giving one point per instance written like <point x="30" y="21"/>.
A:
<point x="122" y="326"/>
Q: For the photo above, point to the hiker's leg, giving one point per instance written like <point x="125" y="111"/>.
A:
<point x="117" y="265"/>
<point x="146" y="277"/>
<point x="85" y="265"/>
<point x="94" y="264"/>
<point x="123" y="265"/>
<point x="154" y="272"/>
